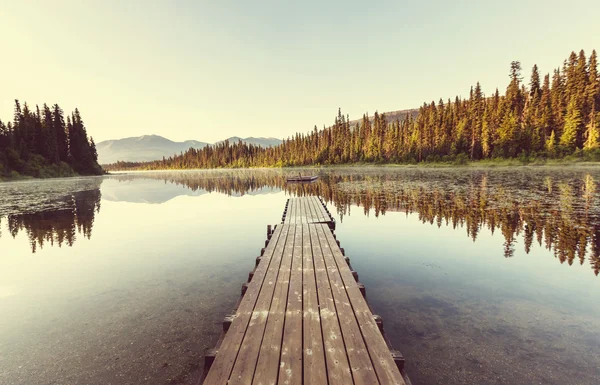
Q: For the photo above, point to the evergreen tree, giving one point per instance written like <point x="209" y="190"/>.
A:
<point x="58" y="122"/>
<point x="551" y="143"/>
<point x="50" y="148"/>
<point x="36" y="142"/>
<point x="573" y="125"/>
<point x="593" y="131"/>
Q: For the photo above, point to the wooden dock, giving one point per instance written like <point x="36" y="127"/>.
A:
<point x="307" y="210"/>
<point x="303" y="317"/>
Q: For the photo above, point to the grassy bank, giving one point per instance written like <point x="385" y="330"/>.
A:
<point x="579" y="158"/>
<point x="37" y="168"/>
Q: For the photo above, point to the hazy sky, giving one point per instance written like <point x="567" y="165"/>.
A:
<point x="207" y="70"/>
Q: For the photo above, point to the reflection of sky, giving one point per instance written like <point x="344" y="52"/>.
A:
<point x="132" y="242"/>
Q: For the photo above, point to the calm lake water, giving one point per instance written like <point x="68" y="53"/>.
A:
<point x="481" y="276"/>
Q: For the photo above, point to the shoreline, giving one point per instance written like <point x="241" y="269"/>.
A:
<point x="484" y="164"/>
<point x="20" y="177"/>
<point x="500" y="163"/>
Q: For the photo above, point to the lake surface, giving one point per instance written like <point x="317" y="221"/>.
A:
<point x="481" y="276"/>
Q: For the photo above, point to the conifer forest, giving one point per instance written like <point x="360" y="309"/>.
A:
<point x="547" y="116"/>
<point x="41" y="143"/>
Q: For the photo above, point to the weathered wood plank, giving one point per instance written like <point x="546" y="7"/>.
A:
<point x="319" y="210"/>
<point x="381" y="357"/>
<point x="324" y="213"/>
<point x="360" y="362"/>
<point x="245" y="363"/>
<point x="310" y="212"/>
<point x="338" y="368"/>
<point x="266" y="371"/>
<point x="317" y="216"/>
<point x="290" y="366"/>
<point x="313" y="349"/>
<point x="315" y="212"/>
<point x="301" y="211"/>
<point x="225" y="360"/>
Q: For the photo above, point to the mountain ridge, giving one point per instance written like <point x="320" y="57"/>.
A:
<point x="154" y="147"/>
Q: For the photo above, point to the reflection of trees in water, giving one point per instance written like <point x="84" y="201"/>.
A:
<point x="559" y="213"/>
<point x="563" y="218"/>
<point x="230" y="182"/>
<point x="58" y="226"/>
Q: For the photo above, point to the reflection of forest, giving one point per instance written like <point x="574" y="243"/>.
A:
<point x="559" y="212"/>
<point x="59" y="226"/>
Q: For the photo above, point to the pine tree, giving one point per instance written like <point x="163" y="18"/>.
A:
<point x="50" y="149"/>
<point x="58" y="123"/>
<point x="593" y="84"/>
<point x="514" y="95"/>
<point x="551" y="143"/>
<point x="545" y="116"/>
<point x="534" y="84"/>
<point x="477" y="121"/>
<point x="573" y="124"/>
<point x="593" y="131"/>
<point x="558" y="100"/>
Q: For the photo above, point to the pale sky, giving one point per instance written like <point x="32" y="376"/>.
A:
<point x="207" y="70"/>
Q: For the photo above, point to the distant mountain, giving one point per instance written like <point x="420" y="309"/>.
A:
<point x="154" y="147"/>
<point x="393" y="115"/>
<point x="263" y="142"/>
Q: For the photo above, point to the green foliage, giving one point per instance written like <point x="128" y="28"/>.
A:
<point x="39" y="144"/>
<point x="573" y="125"/>
<point x="461" y="159"/>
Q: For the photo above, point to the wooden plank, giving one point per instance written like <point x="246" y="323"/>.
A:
<point x="290" y="367"/>
<point x="318" y="217"/>
<point x="308" y="211"/>
<point x="225" y="359"/>
<point x="313" y="353"/>
<point x="305" y="212"/>
<point x="326" y="217"/>
<point x="267" y="367"/>
<point x="338" y="368"/>
<point x="320" y="214"/>
<point x="360" y="362"/>
<point x="245" y="363"/>
<point x="299" y="211"/>
<point x="381" y="357"/>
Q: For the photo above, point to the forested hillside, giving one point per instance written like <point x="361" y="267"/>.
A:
<point x="41" y="143"/>
<point x="550" y="116"/>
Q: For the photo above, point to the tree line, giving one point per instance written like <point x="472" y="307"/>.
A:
<point x="549" y="117"/>
<point x="42" y="143"/>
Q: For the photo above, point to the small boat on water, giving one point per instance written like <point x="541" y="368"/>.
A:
<point x="301" y="178"/>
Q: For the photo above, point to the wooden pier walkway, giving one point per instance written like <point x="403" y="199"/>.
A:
<point x="307" y="210"/>
<point x="303" y="317"/>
